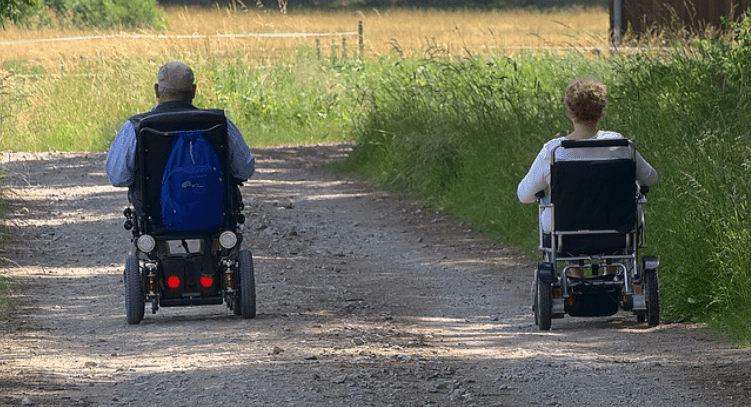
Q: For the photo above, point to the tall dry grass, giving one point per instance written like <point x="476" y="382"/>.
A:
<point x="406" y="32"/>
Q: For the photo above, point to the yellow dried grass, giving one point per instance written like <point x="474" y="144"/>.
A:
<point x="407" y="32"/>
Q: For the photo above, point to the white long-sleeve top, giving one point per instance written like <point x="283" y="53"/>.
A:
<point x="538" y="176"/>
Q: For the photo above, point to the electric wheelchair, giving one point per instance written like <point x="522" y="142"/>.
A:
<point x="190" y="267"/>
<point x="591" y="265"/>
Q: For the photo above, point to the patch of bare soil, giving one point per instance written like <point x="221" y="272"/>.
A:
<point x="365" y="297"/>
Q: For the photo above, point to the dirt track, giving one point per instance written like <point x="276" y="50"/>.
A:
<point x="364" y="298"/>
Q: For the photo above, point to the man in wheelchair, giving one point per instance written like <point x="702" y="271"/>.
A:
<point x="590" y="221"/>
<point x="183" y="167"/>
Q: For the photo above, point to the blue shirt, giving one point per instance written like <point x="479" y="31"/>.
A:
<point x="121" y="158"/>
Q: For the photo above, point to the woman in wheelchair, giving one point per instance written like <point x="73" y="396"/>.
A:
<point x="585" y="101"/>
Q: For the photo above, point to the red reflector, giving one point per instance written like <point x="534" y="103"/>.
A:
<point x="207" y="281"/>
<point x="173" y="281"/>
<point x="637" y="289"/>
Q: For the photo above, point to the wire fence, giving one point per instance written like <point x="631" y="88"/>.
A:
<point x="336" y="48"/>
<point x="343" y="35"/>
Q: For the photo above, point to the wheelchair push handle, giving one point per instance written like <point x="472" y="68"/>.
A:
<point x="622" y="142"/>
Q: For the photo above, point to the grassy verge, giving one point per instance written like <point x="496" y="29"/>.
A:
<point x="462" y="134"/>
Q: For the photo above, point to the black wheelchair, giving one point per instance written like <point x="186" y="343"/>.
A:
<point x="186" y="268"/>
<point x="591" y="265"/>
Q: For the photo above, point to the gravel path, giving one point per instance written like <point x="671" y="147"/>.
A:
<point x="365" y="297"/>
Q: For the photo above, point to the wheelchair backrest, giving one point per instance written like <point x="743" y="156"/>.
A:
<point x="594" y="199"/>
<point x="156" y="134"/>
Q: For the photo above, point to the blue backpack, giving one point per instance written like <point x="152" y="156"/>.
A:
<point x="192" y="194"/>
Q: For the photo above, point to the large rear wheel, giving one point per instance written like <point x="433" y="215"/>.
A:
<point x="134" y="297"/>
<point x="247" y="285"/>
<point x="653" y="297"/>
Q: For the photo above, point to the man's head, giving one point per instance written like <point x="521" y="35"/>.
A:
<point x="175" y="81"/>
<point x="586" y="100"/>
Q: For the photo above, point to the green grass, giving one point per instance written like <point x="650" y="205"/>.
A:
<point x="79" y="106"/>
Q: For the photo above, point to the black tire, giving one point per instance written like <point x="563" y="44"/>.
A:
<point x="236" y="304"/>
<point x="533" y="295"/>
<point x="135" y="301"/>
<point x="653" y="297"/>
<point x="544" y="310"/>
<point x="247" y="276"/>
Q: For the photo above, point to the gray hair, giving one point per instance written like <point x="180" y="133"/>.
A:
<point x="173" y="92"/>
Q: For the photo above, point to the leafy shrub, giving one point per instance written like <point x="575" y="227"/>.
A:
<point x="92" y="13"/>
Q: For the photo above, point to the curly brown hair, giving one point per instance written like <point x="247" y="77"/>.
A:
<point x="586" y="99"/>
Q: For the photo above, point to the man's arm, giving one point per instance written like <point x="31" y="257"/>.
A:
<point x="121" y="157"/>
<point x="242" y="161"/>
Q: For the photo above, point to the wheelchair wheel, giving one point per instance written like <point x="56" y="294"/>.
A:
<point x="533" y="297"/>
<point x="247" y="300"/>
<point x="544" y="305"/>
<point x="653" y="297"/>
<point x="134" y="297"/>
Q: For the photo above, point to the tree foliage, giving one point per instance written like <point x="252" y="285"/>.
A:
<point x="15" y="10"/>
<point x="80" y="13"/>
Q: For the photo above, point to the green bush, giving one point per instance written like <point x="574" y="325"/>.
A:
<point x="14" y="10"/>
<point x="91" y="14"/>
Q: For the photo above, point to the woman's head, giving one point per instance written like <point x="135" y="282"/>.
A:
<point x="586" y="100"/>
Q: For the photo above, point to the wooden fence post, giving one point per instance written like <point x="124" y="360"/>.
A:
<point x="360" y="40"/>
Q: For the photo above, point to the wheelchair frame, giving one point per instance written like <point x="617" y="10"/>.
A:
<point x="634" y="284"/>
<point x="219" y="271"/>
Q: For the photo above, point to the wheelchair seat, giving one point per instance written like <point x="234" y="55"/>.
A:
<point x="184" y="267"/>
